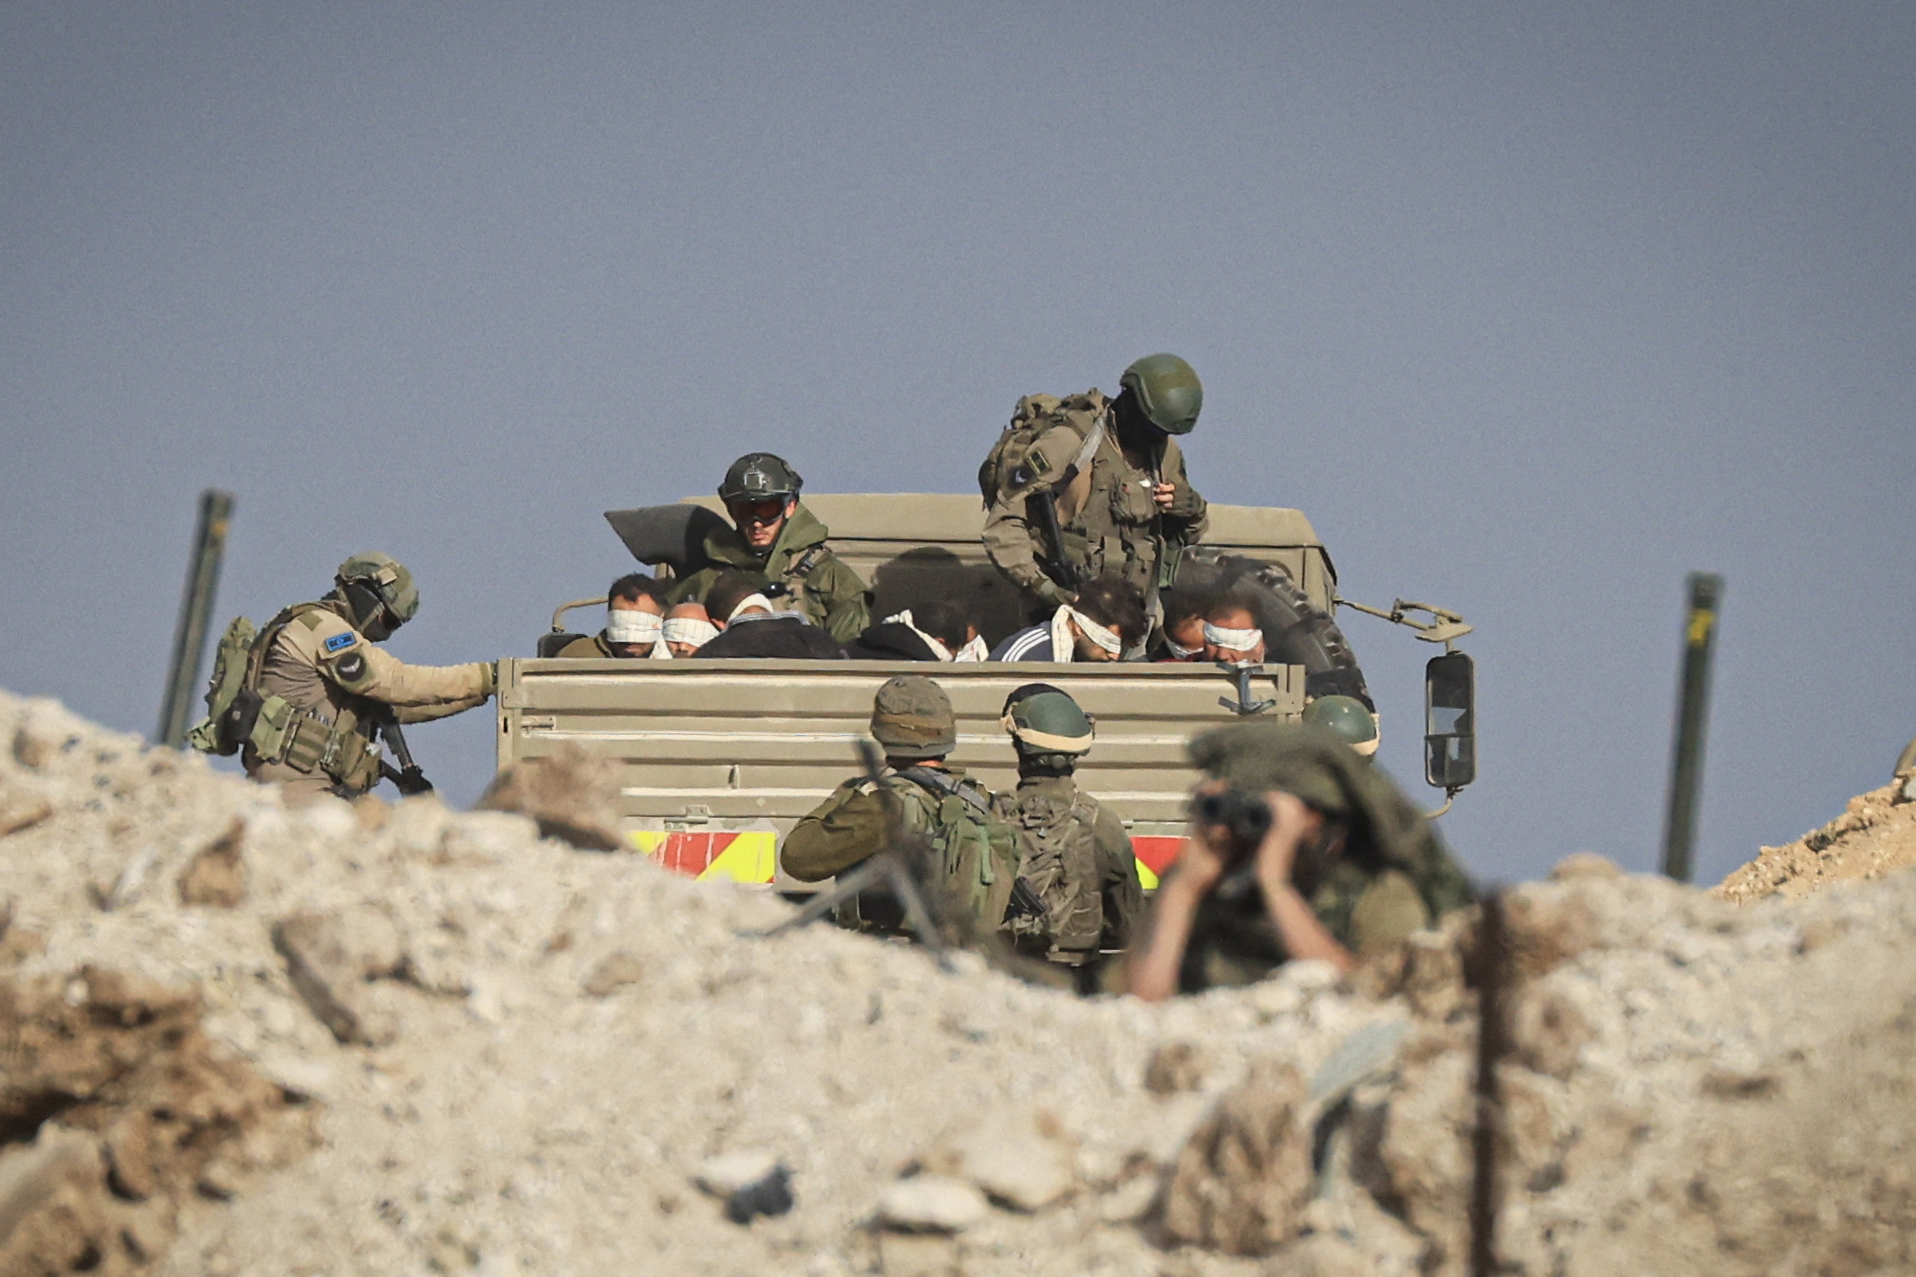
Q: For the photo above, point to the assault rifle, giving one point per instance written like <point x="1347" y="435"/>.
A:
<point x="407" y="777"/>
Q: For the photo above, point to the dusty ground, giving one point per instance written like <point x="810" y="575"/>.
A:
<point x="469" y="1049"/>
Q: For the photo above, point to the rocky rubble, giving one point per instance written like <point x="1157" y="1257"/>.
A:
<point x="1875" y="835"/>
<point x="438" y="1042"/>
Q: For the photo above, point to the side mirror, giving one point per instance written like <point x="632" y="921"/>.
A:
<point x="1450" y="721"/>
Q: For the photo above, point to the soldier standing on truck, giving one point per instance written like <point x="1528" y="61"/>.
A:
<point x="973" y="851"/>
<point x="314" y="690"/>
<point x="1083" y="486"/>
<point x="1073" y="851"/>
<point x="781" y="545"/>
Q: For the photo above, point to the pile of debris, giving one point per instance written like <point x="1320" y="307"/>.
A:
<point x="1874" y="837"/>
<point x="394" y="1039"/>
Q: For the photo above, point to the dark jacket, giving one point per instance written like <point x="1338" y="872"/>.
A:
<point x="780" y="634"/>
<point x="890" y="641"/>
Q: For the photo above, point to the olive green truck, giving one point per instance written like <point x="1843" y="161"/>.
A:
<point x="721" y="757"/>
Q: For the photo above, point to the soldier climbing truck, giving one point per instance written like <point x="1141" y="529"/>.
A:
<point x="722" y="757"/>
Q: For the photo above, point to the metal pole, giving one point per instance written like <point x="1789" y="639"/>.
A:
<point x="196" y="609"/>
<point x="1693" y="707"/>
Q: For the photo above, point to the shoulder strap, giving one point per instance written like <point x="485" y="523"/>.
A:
<point x="802" y="566"/>
<point x="939" y="782"/>
<point x="256" y="659"/>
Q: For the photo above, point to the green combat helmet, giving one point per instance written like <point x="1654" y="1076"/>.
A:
<point x="1346" y="716"/>
<point x="759" y="474"/>
<point x="380" y="591"/>
<point x="912" y="719"/>
<point x="1047" y="726"/>
<point x="1167" y="390"/>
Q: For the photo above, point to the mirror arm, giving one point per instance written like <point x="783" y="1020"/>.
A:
<point x="1450" y="796"/>
<point x="1444" y="625"/>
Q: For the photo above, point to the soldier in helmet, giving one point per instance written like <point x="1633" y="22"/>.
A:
<point x="318" y="663"/>
<point x="1073" y="851"/>
<point x="781" y="545"/>
<point x="1350" y="718"/>
<point x="1297" y="848"/>
<point x="919" y="795"/>
<point x="1105" y="476"/>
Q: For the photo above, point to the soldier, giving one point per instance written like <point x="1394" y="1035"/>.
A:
<point x="1297" y="848"/>
<point x="634" y="622"/>
<point x="315" y="666"/>
<point x="919" y="795"/>
<point x="1073" y="852"/>
<point x="781" y="545"/>
<point x="1107" y="476"/>
<point x="1101" y="624"/>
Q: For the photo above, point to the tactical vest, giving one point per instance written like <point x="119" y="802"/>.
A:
<point x="974" y="849"/>
<point x="1119" y="528"/>
<point x="273" y="729"/>
<point x="1058" y="858"/>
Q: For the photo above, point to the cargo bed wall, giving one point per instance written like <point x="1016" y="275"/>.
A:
<point x="720" y="747"/>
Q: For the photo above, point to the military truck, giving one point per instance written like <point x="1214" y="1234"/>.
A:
<point x="722" y="757"/>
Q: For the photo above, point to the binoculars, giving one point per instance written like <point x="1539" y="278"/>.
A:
<point x="1247" y="816"/>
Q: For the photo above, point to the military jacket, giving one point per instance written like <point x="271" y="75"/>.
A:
<point x="317" y="662"/>
<point x="975" y="852"/>
<point x="1077" y="859"/>
<point x="819" y="583"/>
<point x="1108" y="520"/>
<point x="1366" y="908"/>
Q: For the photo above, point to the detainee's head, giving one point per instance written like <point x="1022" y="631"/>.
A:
<point x="634" y="614"/>
<point x="688" y="627"/>
<point x="1231" y="632"/>
<point x="760" y="493"/>
<point x="912" y="720"/>
<point x="945" y="621"/>
<point x="734" y="594"/>
<point x="1115" y="607"/>
<point x="1184" y="625"/>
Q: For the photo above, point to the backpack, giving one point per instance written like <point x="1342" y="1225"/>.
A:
<point x="977" y="850"/>
<point x="213" y="734"/>
<point x="1009" y="468"/>
<point x="1059" y="859"/>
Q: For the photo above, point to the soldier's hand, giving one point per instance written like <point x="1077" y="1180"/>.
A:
<point x="1164" y="494"/>
<point x="1292" y="821"/>
<point x="1207" y="852"/>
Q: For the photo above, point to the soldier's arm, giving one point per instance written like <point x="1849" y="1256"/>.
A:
<point x="1123" y="893"/>
<point x="1188" y="509"/>
<point x="847" y="828"/>
<point x="352" y="664"/>
<point x="427" y="713"/>
<point x="1007" y="541"/>
<point x="846" y="597"/>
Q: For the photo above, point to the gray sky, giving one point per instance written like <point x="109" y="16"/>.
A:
<point x="1532" y="309"/>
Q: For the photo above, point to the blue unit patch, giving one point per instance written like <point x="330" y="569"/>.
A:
<point x="339" y="642"/>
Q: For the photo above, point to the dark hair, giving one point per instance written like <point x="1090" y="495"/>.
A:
<point x="945" y="621"/>
<point x="635" y="586"/>
<point x="1114" y="602"/>
<point x="1182" y="605"/>
<point x="1235" y="601"/>
<point x="730" y="590"/>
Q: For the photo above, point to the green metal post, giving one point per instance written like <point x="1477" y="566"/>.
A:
<point x="1693" y="706"/>
<point x="196" y="610"/>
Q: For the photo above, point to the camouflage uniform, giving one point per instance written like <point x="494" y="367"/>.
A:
<point x="1106" y="514"/>
<point x="1392" y="878"/>
<point x="975" y="852"/>
<point x="821" y="585"/>
<point x="1078" y="860"/>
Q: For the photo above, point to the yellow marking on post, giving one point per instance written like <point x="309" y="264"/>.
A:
<point x="1700" y="626"/>
<point x="752" y="857"/>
